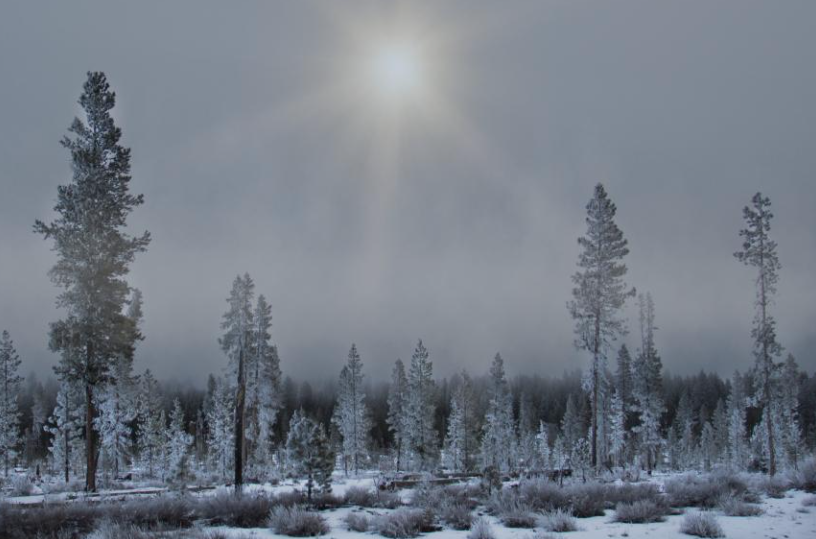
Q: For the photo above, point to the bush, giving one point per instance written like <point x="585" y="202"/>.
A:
<point x="388" y="500"/>
<point x="20" y="485"/>
<point x="543" y="495"/>
<point x="404" y="523"/>
<point x="481" y="530"/>
<point x="805" y="478"/>
<point x="691" y="491"/>
<point x="361" y="497"/>
<point x="588" y="500"/>
<point x="519" y="518"/>
<point x="296" y="521"/>
<point x="640" y="512"/>
<point x="240" y="511"/>
<point x="559" y="521"/>
<point x="630" y="493"/>
<point x="456" y="515"/>
<point x="774" y="487"/>
<point x="734" y="507"/>
<point x="357" y="522"/>
<point x="701" y="525"/>
<point x="810" y="501"/>
<point x="326" y="500"/>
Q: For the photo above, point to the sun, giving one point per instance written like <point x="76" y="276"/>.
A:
<point x="396" y="71"/>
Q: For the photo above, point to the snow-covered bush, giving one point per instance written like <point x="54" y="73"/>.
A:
<point x="245" y="511"/>
<point x="734" y="507"/>
<point x="481" y="530"/>
<point x="513" y="512"/>
<point x="630" y="493"/>
<point x="701" y="525"/>
<point x="361" y="497"/>
<point x="297" y="522"/>
<point x="20" y="485"/>
<point x="543" y="495"/>
<point x="773" y="487"/>
<point x="404" y="523"/>
<point x="705" y="492"/>
<point x="559" y="521"/>
<point x="640" y="512"/>
<point x="456" y="515"/>
<point x="805" y="477"/>
<point x="587" y="500"/>
<point x="810" y="501"/>
<point x="358" y="522"/>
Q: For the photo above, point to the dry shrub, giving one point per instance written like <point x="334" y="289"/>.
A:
<point x="481" y="530"/>
<point x="404" y="523"/>
<point x="701" y="525"/>
<point x="559" y="521"/>
<point x="358" y="522"/>
<point x="296" y="521"/>
<point x="640" y="512"/>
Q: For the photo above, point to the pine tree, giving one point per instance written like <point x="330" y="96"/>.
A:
<point x="237" y="344"/>
<point x="65" y="427"/>
<point x="622" y="406"/>
<point x="351" y="415"/>
<point x="527" y="431"/>
<point x="420" y="408"/>
<point x="460" y="439"/>
<point x="263" y="387"/>
<point x="149" y="429"/>
<point x="310" y="453"/>
<point x="9" y="391"/>
<point x="759" y="251"/>
<point x="541" y="460"/>
<point x="708" y="447"/>
<point x="94" y="254"/>
<point x="220" y="428"/>
<point x="648" y="386"/>
<point x="684" y="423"/>
<point x="719" y="422"/>
<point x="599" y="295"/>
<point x="397" y="418"/>
<point x="737" y="432"/>
<point x="178" y="442"/>
<point x="499" y="439"/>
<point x="573" y="430"/>
<point x="788" y="420"/>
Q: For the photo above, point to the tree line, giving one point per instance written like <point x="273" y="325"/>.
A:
<point x="248" y="423"/>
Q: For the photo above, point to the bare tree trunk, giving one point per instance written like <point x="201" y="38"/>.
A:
<point x="90" y="440"/>
<point x="240" y="402"/>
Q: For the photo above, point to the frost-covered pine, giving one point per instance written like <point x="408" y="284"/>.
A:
<point x="737" y="455"/>
<point x="527" y="431"/>
<point x="117" y="402"/>
<point x="9" y="392"/>
<point x="648" y="387"/>
<point x="397" y="419"/>
<point x="759" y="251"/>
<point x="789" y="426"/>
<point x="309" y="453"/>
<point x="237" y="343"/>
<point x="621" y="408"/>
<point x="708" y="446"/>
<point x="461" y="437"/>
<point x="573" y="430"/>
<point x="541" y="456"/>
<point x="420" y="409"/>
<point x="499" y="438"/>
<point x="683" y="426"/>
<point x="220" y="428"/>
<point x="65" y="427"/>
<point x="178" y="442"/>
<point x="598" y="296"/>
<point x="617" y="430"/>
<point x="351" y="414"/>
<point x="94" y="253"/>
<point x="150" y="428"/>
<point x="719" y="422"/>
<point x="263" y="389"/>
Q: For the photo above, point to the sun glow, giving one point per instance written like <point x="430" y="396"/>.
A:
<point x="396" y="70"/>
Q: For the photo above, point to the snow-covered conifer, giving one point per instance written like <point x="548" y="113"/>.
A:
<point x="499" y="438"/>
<point x="420" y="408"/>
<point x="737" y="433"/>
<point x="9" y="389"/>
<point x="178" y="442"/>
<point x="648" y="386"/>
<point x="220" y="428"/>
<point x="460" y="440"/>
<point x="397" y="419"/>
<point x="598" y="296"/>
<point x="310" y="453"/>
<point x="65" y="426"/>
<point x="351" y="415"/>
<point x="759" y="250"/>
<point x="541" y="458"/>
<point x="789" y="425"/>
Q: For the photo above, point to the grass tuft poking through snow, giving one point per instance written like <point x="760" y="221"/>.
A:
<point x="559" y="521"/>
<point x="640" y="512"/>
<point x="296" y="521"/>
<point x="701" y="525"/>
<point x="481" y="530"/>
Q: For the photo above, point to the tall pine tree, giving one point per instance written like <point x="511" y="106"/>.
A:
<point x="94" y="254"/>
<point x="9" y="392"/>
<point x="598" y="296"/>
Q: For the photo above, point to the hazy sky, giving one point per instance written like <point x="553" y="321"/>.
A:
<point x="452" y="216"/>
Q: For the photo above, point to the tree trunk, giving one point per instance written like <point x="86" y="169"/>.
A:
<point x="90" y="440"/>
<point x="240" y="402"/>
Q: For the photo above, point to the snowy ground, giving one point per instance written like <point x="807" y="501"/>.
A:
<point x="784" y="518"/>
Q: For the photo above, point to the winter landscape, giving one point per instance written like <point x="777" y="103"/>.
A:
<point x="335" y="289"/>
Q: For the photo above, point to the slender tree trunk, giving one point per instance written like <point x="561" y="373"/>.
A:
<point x="240" y="402"/>
<point x="90" y="440"/>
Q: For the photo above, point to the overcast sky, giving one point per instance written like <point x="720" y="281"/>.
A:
<point x="455" y="222"/>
